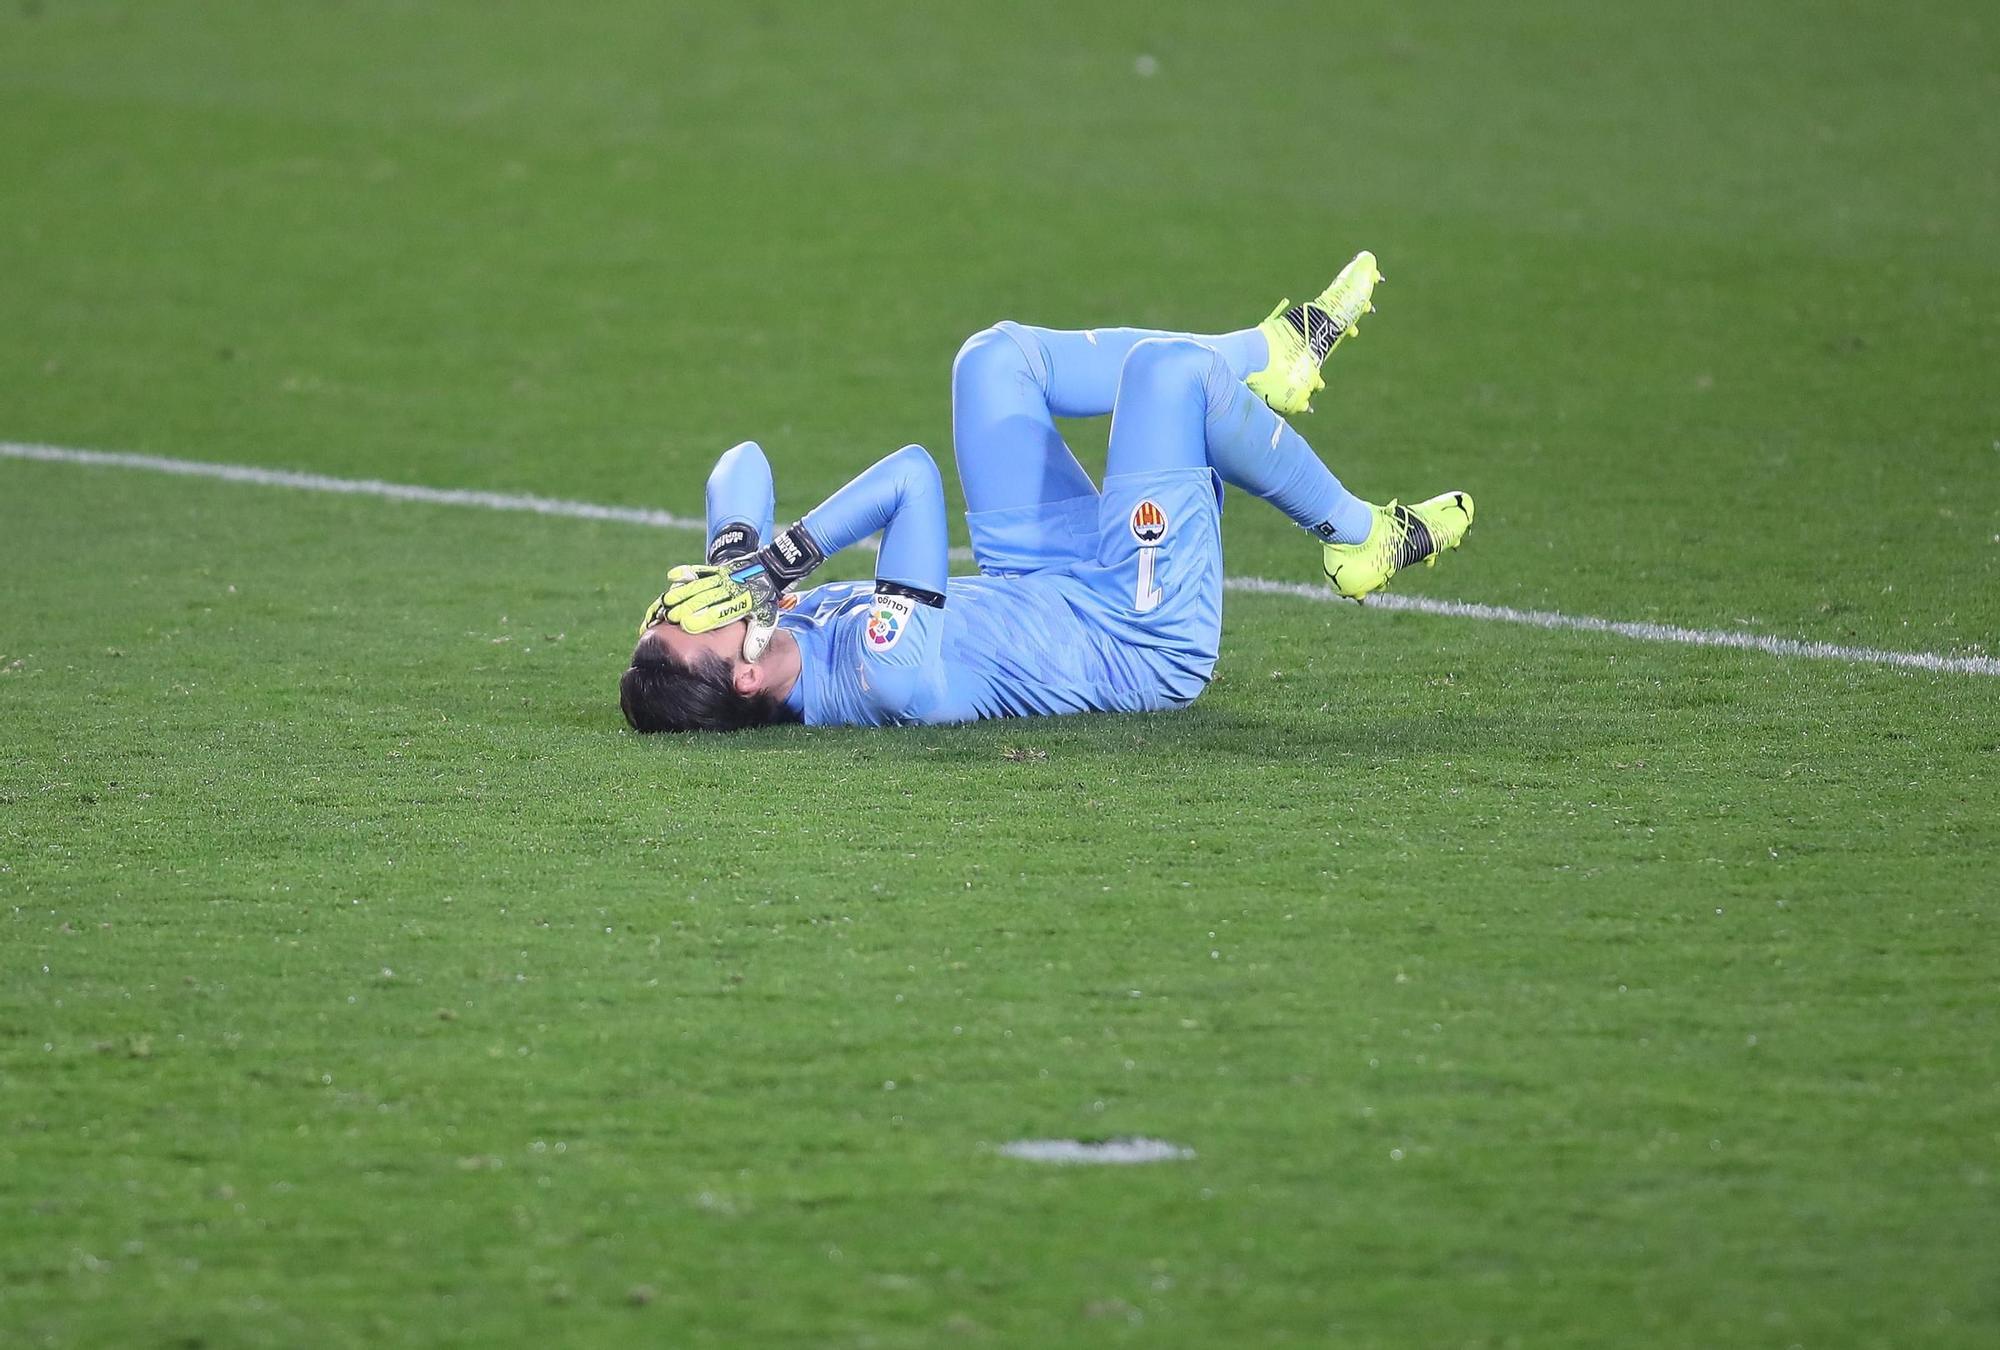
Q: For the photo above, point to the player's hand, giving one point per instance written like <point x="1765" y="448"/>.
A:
<point x="656" y="613"/>
<point x="731" y="544"/>
<point x="732" y="586"/>
<point x="705" y="598"/>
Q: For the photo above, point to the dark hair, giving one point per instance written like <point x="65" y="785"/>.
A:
<point x="660" y="693"/>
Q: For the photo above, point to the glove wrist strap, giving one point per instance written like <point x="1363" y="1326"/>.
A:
<point x="732" y="541"/>
<point x="792" y="556"/>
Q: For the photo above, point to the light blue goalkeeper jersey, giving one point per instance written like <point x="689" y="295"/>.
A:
<point x="1132" y="629"/>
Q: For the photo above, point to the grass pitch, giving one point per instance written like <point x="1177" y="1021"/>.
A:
<point x="362" y="982"/>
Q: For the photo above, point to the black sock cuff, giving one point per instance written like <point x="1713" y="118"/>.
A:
<point x="933" y="599"/>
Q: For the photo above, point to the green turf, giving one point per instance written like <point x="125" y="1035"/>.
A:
<point x="362" y="982"/>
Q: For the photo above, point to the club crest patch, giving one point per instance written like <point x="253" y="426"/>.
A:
<point x="1149" y="522"/>
<point x="888" y="616"/>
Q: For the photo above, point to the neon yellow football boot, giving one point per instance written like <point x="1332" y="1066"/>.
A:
<point x="1402" y="536"/>
<point x="1301" y="337"/>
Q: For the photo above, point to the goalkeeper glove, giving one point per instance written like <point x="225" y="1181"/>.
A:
<point x="731" y="543"/>
<point x="750" y="586"/>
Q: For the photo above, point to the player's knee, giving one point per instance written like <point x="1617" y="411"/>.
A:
<point x="1166" y="364"/>
<point x="987" y="357"/>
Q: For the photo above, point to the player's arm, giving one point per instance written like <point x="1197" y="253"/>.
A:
<point x="899" y="647"/>
<point x="740" y="501"/>
<point x="900" y="495"/>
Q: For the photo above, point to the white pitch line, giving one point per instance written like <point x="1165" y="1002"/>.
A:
<point x="1643" y="632"/>
<point x="633" y="515"/>
<point x="358" y="487"/>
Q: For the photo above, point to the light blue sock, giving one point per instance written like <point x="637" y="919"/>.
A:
<point x="1258" y="451"/>
<point x="1245" y="350"/>
<point x="1181" y="406"/>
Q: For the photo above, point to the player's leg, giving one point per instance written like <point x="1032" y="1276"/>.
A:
<point x="1078" y="371"/>
<point x="1012" y="380"/>
<point x="1180" y="406"/>
<point x="1003" y="430"/>
<point x="1030" y="505"/>
<point x="1029" y="500"/>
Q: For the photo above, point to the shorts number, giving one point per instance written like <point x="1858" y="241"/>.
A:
<point x="1147" y="596"/>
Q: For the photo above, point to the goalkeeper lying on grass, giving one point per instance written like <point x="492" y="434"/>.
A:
<point x="1086" y="600"/>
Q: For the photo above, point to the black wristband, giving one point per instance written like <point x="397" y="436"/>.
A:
<point x="732" y="541"/>
<point x="792" y="556"/>
<point x="916" y="593"/>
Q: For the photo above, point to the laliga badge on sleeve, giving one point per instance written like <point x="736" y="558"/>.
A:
<point x="888" y="616"/>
